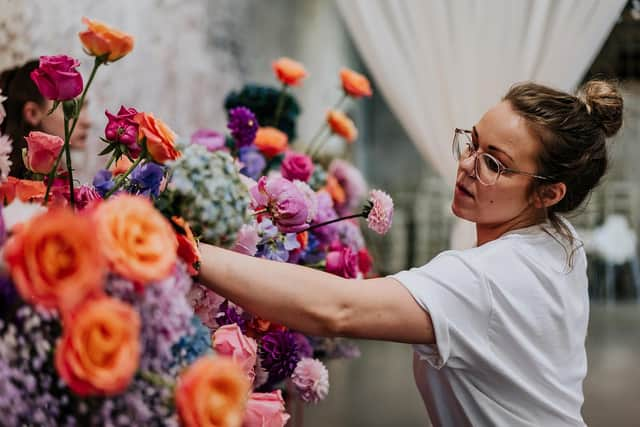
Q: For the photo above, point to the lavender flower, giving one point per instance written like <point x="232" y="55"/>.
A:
<point x="351" y="181"/>
<point x="243" y="125"/>
<point x="253" y="162"/>
<point x="325" y="212"/>
<point x="145" y="179"/>
<point x="103" y="182"/>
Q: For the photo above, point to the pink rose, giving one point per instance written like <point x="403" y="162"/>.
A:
<point x="284" y="202"/>
<point x="265" y="410"/>
<point x="57" y="78"/>
<point x="42" y="151"/>
<point x="209" y="139"/>
<point x="228" y="340"/>
<point x="343" y="263"/>
<point x="122" y="129"/>
<point x="297" y="166"/>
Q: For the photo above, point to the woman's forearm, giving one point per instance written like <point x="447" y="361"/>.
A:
<point x="299" y="297"/>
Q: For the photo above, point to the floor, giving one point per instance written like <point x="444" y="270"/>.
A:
<point x="378" y="390"/>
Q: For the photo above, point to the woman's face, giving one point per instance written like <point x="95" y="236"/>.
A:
<point x="54" y="124"/>
<point x="503" y="134"/>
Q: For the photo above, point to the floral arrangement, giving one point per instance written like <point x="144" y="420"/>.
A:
<point x="107" y="325"/>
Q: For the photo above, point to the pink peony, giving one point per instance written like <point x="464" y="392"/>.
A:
<point x="297" y="166"/>
<point x="265" y="410"/>
<point x="57" y="78"/>
<point x="42" y="151"/>
<point x="228" y="340"/>
<point x="246" y="240"/>
<point x="283" y="201"/>
<point x="343" y="262"/>
<point x="122" y="129"/>
<point x="351" y="181"/>
<point x="310" y="198"/>
<point x="311" y="379"/>
<point x="380" y="216"/>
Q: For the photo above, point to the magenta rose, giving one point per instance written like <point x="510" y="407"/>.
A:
<point x="209" y="139"/>
<point x="122" y="129"/>
<point x="265" y="410"/>
<point x="283" y="201"/>
<point x="343" y="262"/>
<point x="228" y="340"/>
<point x="297" y="166"/>
<point x="42" y="151"/>
<point x="57" y="78"/>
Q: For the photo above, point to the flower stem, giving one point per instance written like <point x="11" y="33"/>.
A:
<point x="313" y="152"/>
<point x="156" y="379"/>
<point x="311" y="227"/>
<point x="323" y="141"/>
<point x="113" y="157"/>
<point x="67" y="149"/>
<point x="52" y="172"/>
<point x="319" y="132"/>
<point x="122" y="178"/>
<point x="261" y="211"/>
<point x="280" y="104"/>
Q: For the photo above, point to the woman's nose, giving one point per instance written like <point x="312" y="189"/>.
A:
<point x="468" y="165"/>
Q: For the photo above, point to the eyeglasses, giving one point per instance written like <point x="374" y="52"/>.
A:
<point x="487" y="168"/>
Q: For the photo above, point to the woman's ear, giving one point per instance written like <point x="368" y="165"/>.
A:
<point x="32" y="113"/>
<point x="549" y="194"/>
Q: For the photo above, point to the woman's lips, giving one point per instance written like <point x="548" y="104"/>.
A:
<point x="463" y="191"/>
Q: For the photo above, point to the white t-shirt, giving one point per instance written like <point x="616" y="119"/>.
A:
<point x="510" y="319"/>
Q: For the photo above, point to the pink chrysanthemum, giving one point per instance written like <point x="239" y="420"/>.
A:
<point x="380" y="216"/>
<point x="311" y="379"/>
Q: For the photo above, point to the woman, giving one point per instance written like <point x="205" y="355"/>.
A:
<point x="499" y="329"/>
<point x="27" y="111"/>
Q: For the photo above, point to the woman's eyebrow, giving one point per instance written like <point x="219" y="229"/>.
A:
<point x="490" y="147"/>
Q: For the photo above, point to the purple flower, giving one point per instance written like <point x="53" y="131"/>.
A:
<point x="253" y="162"/>
<point x="210" y="139"/>
<point x="311" y="379"/>
<point x="297" y="166"/>
<point x="146" y="179"/>
<point x="122" y="129"/>
<point x="351" y="181"/>
<point x="327" y="233"/>
<point x="380" y="211"/>
<point x="304" y="346"/>
<point x="350" y="235"/>
<point x="273" y="250"/>
<point x="283" y="201"/>
<point x="310" y="198"/>
<point x="103" y="182"/>
<point x="280" y="354"/>
<point x="343" y="263"/>
<point x="243" y="125"/>
<point x="228" y="314"/>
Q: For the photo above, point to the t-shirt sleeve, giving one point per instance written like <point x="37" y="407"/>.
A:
<point x="457" y="298"/>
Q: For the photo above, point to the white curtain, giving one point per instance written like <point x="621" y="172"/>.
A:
<point x="441" y="64"/>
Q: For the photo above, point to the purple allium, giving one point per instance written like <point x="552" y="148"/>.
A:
<point x="283" y="201"/>
<point x="352" y="182"/>
<point x="311" y="379"/>
<point x="380" y="214"/>
<point x="103" y="182"/>
<point x="243" y="126"/>
<point x="122" y="129"/>
<point x="253" y="162"/>
<point x="145" y="179"/>
<point x="210" y="139"/>
<point x="279" y="353"/>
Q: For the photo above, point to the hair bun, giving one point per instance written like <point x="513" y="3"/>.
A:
<point x="604" y="103"/>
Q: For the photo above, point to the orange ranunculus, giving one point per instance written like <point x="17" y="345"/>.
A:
<point x="100" y="39"/>
<point x="99" y="351"/>
<point x="212" y="392"/>
<point x="121" y="166"/>
<point x="160" y="138"/>
<point x="271" y="141"/>
<point x="342" y="125"/>
<point x="335" y="190"/>
<point x="54" y="259"/>
<point x="136" y="239"/>
<point x="288" y="71"/>
<point x="187" y="246"/>
<point x="24" y="189"/>
<point x="355" y="84"/>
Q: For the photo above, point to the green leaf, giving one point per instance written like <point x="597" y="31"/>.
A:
<point x="107" y="150"/>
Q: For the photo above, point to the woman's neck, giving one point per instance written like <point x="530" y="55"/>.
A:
<point x="488" y="232"/>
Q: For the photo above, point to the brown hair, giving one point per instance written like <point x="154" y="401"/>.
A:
<point x="17" y="86"/>
<point x="572" y="131"/>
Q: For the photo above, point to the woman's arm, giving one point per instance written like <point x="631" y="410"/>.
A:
<point x="315" y="302"/>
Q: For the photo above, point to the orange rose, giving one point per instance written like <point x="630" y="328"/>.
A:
<point x="288" y="71"/>
<point x="25" y="189"/>
<point x="100" y="40"/>
<point x="212" y="392"/>
<point x="271" y="141"/>
<point x="335" y="190"/>
<point x="54" y="259"/>
<point x="136" y="239"/>
<point x="120" y="166"/>
<point x="355" y="84"/>
<point x="99" y="351"/>
<point x="187" y="245"/>
<point x="342" y="125"/>
<point x="160" y="139"/>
